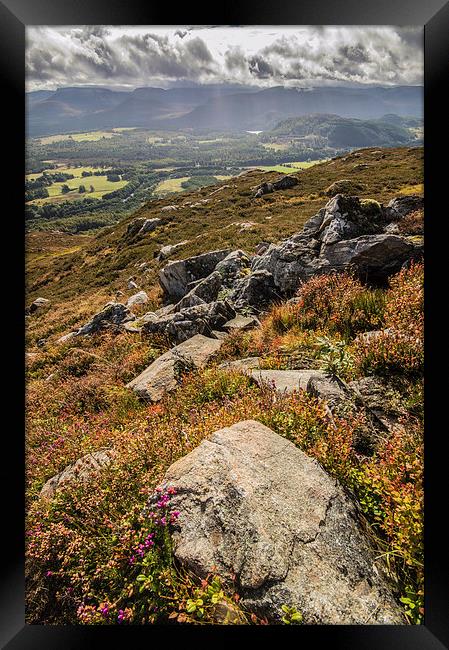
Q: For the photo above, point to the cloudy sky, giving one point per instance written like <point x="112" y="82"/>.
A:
<point x="128" y="57"/>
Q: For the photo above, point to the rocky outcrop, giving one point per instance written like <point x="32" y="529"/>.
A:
<point x="81" y="471"/>
<point x="374" y="256"/>
<point x="402" y="206"/>
<point x="267" y="516"/>
<point x="176" y="276"/>
<point x="202" y="318"/>
<point x="163" y="375"/>
<point x="204" y="291"/>
<point x="167" y="251"/>
<point x="283" y="183"/>
<point x="112" y="314"/>
<point x="141" y="226"/>
<point x="346" y="234"/>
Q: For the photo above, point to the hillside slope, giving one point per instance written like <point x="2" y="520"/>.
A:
<point x="89" y="270"/>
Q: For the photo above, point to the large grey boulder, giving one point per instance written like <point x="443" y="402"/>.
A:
<point x="175" y="277"/>
<point x="164" y="373"/>
<point x="374" y="256"/>
<point x="201" y="318"/>
<point x="403" y="205"/>
<point x="37" y="305"/>
<point x="81" y="471"/>
<point x="263" y="513"/>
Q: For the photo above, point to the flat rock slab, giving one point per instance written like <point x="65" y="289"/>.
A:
<point x="256" y="507"/>
<point x="243" y="365"/>
<point x="315" y="382"/>
<point x="81" y="471"/>
<point x="283" y="381"/>
<point x="241" y="323"/>
<point x="164" y="373"/>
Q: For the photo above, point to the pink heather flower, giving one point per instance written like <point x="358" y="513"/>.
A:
<point x="163" y="521"/>
<point x="49" y="573"/>
<point x="171" y="490"/>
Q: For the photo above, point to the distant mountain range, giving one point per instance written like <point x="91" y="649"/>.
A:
<point x="215" y="107"/>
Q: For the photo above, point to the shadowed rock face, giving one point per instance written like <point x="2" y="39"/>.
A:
<point x="176" y="276"/>
<point x="253" y="505"/>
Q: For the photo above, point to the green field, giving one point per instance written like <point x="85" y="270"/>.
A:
<point x="283" y="169"/>
<point x="81" y="137"/>
<point x="174" y="184"/>
<point x="100" y="183"/>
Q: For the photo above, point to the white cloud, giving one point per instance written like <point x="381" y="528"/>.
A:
<point x="141" y="56"/>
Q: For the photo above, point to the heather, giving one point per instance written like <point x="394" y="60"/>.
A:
<point x="100" y="553"/>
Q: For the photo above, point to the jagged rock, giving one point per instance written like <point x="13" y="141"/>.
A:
<point x="168" y="250"/>
<point x="233" y="267"/>
<point x="403" y="205"/>
<point x="169" y="208"/>
<point x="176" y="276"/>
<point x="204" y="291"/>
<point x="374" y="256"/>
<point x="134" y="227"/>
<point x="288" y="263"/>
<point x="139" y="298"/>
<point x="141" y="226"/>
<point x="283" y="183"/>
<point x="199" y="319"/>
<point x="241" y="323"/>
<point x="132" y="284"/>
<point x="256" y="290"/>
<point x="242" y="365"/>
<point x="81" y="471"/>
<point x="164" y="373"/>
<point x="149" y="225"/>
<point x="37" y="304"/>
<point x="254" y="506"/>
<point x="113" y="313"/>
<point x="345" y="186"/>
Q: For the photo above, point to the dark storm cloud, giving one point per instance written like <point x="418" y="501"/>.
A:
<point x="310" y="55"/>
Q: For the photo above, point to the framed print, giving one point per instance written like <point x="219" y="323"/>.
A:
<point x="224" y="426"/>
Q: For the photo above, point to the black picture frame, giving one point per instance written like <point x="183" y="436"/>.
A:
<point x="433" y="15"/>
